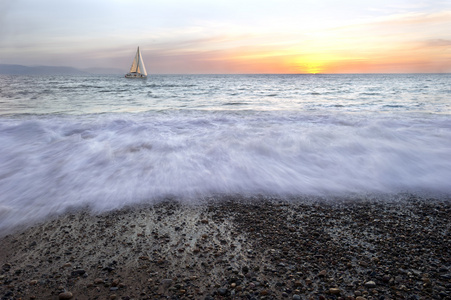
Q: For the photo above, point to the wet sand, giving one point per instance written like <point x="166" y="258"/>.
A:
<point x="236" y="249"/>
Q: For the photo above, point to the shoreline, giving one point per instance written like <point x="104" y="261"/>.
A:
<point x="236" y="249"/>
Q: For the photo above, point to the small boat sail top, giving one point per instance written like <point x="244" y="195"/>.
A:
<point x="138" y="70"/>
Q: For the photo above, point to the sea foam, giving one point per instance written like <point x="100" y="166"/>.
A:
<point x="51" y="164"/>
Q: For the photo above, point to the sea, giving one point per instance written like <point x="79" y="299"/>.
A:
<point x="106" y="142"/>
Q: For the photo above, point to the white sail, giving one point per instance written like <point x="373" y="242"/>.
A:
<point x="137" y="69"/>
<point x="141" y="67"/>
<point x="134" y="67"/>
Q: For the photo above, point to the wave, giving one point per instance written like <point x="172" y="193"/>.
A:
<point x="50" y="164"/>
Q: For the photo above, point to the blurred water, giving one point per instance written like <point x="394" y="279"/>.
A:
<point x="106" y="142"/>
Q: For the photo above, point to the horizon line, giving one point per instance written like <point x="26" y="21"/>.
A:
<point x="150" y="74"/>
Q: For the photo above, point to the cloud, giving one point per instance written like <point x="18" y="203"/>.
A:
<point x="438" y="43"/>
<point x="416" y="18"/>
<point x="6" y="7"/>
<point x="226" y="36"/>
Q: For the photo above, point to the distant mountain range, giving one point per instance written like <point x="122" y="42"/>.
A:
<point x="6" y="69"/>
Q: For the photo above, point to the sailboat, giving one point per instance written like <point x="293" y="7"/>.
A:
<point x="138" y="70"/>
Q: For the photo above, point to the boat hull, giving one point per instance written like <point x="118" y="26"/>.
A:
<point x="135" y="75"/>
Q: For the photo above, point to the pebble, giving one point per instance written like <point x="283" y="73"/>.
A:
<point x="115" y="282"/>
<point x="296" y="297"/>
<point x="370" y="284"/>
<point x="98" y="281"/>
<point x="166" y="281"/>
<point x="78" y="272"/>
<point x="222" y="291"/>
<point x="334" y="291"/>
<point x="65" y="296"/>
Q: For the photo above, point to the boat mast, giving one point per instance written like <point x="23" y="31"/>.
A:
<point x="137" y="63"/>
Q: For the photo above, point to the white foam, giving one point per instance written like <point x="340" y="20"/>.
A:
<point x="48" y="165"/>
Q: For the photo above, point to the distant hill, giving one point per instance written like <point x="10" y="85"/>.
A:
<point x="6" y="69"/>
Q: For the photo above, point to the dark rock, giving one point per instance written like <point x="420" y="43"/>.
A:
<point x="166" y="282"/>
<point x="370" y="284"/>
<point x="108" y="269"/>
<point x="65" y="296"/>
<point x="78" y="272"/>
<point x="6" y="267"/>
<point x="222" y="291"/>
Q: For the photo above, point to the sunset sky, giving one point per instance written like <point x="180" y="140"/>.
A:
<point x="230" y="36"/>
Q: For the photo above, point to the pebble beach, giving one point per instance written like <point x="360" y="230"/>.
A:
<point x="236" y="248"/>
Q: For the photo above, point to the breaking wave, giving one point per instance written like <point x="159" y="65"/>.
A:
<point x="108" y="161"/>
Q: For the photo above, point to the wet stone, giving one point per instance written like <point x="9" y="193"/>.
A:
<point x="115" y="282"/>
<point x="65" y="296"/>
<point x="167" y="281"/>
<point x="79" y="272"/>
<point x="222" y="291"/>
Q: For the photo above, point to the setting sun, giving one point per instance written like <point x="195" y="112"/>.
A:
<point x="311" y="64"/>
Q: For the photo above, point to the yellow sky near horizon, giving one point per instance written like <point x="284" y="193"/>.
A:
<point x="388" y="45"/>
